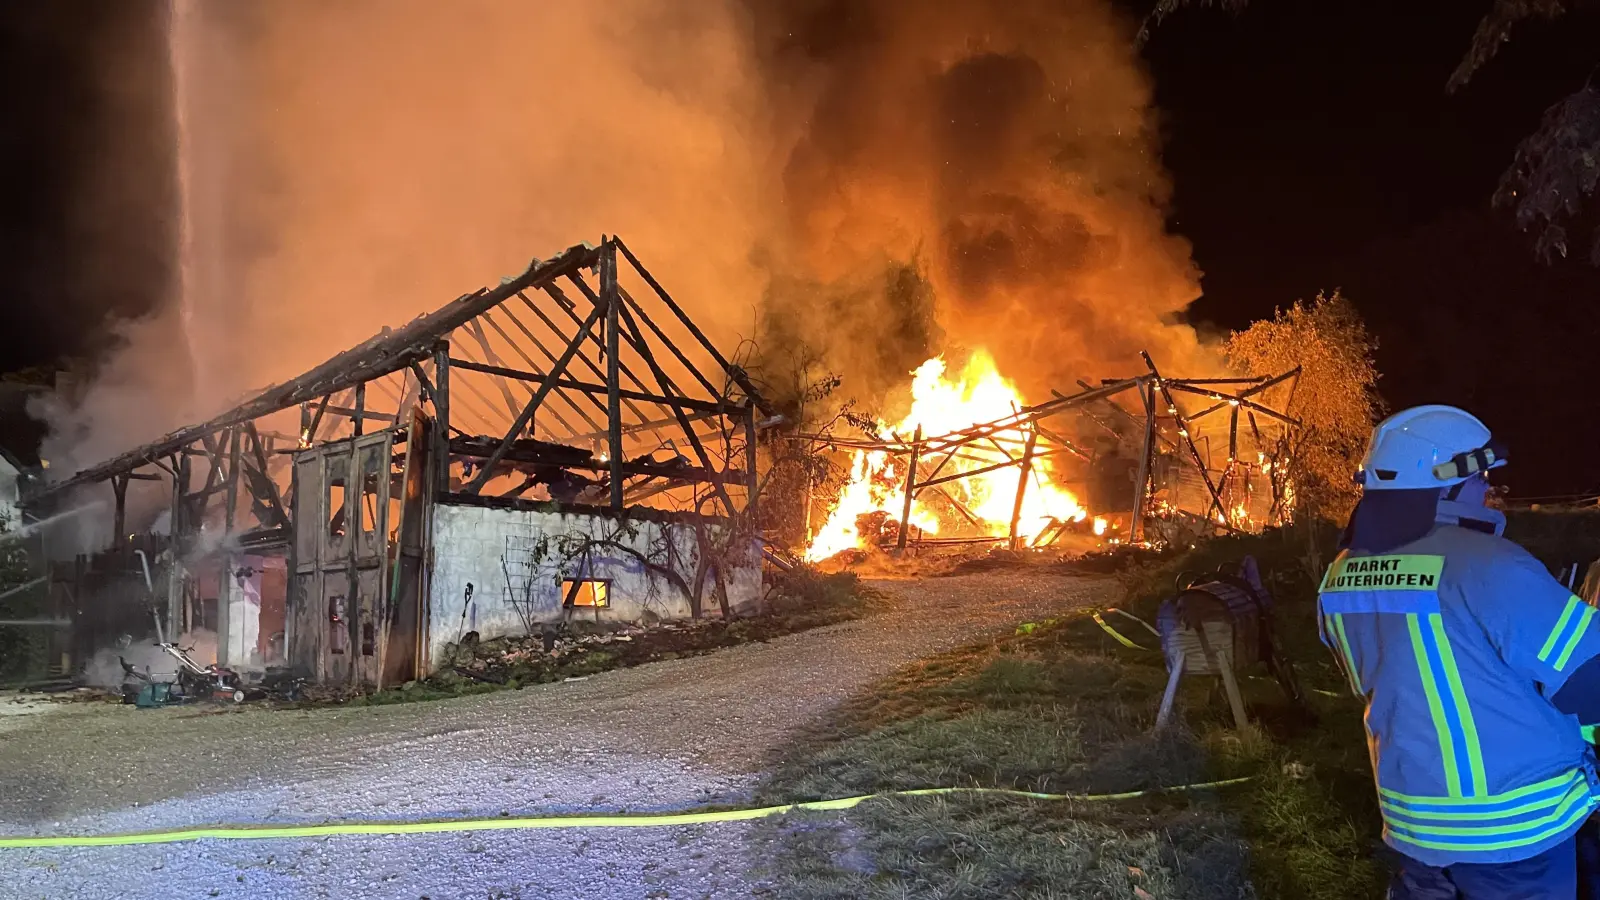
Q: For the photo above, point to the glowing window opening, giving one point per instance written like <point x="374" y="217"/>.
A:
<point x="589" y="594"/>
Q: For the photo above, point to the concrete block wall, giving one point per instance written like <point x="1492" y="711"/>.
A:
<point x="514" y="560"/>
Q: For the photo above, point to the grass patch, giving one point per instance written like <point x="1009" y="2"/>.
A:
<point x="1062" y="708"/>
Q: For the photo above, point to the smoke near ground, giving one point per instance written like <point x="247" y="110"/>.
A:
<point x="104" y="669"/>
<point x="861" y="185"/>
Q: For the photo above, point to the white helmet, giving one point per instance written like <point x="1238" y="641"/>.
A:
<point x="1427" y="447"/>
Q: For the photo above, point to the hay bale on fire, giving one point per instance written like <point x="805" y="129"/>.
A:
<point x="1218" y="623"/>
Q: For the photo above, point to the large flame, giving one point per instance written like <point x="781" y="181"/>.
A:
<point x="940" y="406"/>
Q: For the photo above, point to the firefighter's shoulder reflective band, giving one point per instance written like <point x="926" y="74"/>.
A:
<point x="617" y="820"/>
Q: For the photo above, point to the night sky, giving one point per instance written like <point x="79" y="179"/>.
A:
<point x="1312" y="146"/>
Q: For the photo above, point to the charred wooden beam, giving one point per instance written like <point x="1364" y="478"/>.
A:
<point x="355" y="413"/>
<point x="736" y="373"/>
<point x="1256" y="380"/>
<point x="595" y="389"/>
<point x="119" y="521"/>
<point x="1264" y="384"/>
<point x="1066" y="445"/>
<point x="652" y="425"/>
<point x="612" y="304"/>
<point x="534" y="367"/>
<point x="260" y="480"/>
<point x="911" y="489"/>
<point x="231" y="504"/>
<point x="512" y="405"/>
<point x="546" y="384"/>
<point x="1235" y="402"/>
<point x="549" y="357"/>
<point x="516" y="458"/>
<point x="1027" y="414"/>
<point x="388" y="351"/>
<point x="930" y="481"/>
<point x="661" y="336"/>
<point x="360" y="411"/>
<point x="1132" y="419"/>
<point x="423" y="383"/>
<point x="622" y="366"/>
<point x="621" y="312"/>
<point x="475" y="328"/>
<point x="212" y="450"/>
<point x="594" y="369"/>
<point x="316" y="418"/>
<point x="1147" y="449"/>
<point x="441" y="416"/>
<point x="1025" y="468"/>
<point x="753" y="483"/>
<point x="1188" y="440"/>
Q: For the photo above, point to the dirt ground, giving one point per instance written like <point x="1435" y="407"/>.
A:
<point x="661" y="736"/>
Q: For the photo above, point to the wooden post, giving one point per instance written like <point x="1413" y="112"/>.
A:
<point x="176" y="526"/>
<point x="227" y="586"/>
<point x="608" y="296"/>
<point x="752" y="480"/>
<point x="441" y="417"/>
<point x="360" y="407"/>
<point x="119" y="521"/>
<point x="1228" y="479"/>
<point x="231" y="501"/>
<point x="911" y="483"/>
<point x="1141" y="487"/>
<point x="1188" y="441"/>
<point x="1233" y="435"/>
<point x="1022" y="488"/>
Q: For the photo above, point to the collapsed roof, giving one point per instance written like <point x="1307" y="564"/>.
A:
<point x="605" y="381"/>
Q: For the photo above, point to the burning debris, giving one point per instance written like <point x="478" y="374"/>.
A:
<point x="973" y="463"/>
<point x="940" y="405"/>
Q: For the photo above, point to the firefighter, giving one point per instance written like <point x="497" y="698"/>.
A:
<point x="1463" y="648"/>
<point x="1465" y="505"/>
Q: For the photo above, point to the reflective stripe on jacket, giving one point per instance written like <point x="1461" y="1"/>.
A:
<point x="1455" y="641"/>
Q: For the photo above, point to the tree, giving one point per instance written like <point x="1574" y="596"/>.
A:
<point x="1335" y="398"/>
<point x="1556" y="170"/>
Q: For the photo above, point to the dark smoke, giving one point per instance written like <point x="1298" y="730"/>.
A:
<point x="1002" y="153"/>
<point x="866" y="183"/>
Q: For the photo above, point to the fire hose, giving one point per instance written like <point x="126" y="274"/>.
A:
<point x="505" y="823"/>
<point x="1121" y="639"/>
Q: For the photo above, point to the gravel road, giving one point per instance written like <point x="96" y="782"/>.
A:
<point x="662" y="736"/>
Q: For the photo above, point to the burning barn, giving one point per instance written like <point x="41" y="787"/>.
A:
<point x="567" y="443"/>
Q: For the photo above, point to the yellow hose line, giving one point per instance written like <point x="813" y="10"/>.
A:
<point x="634" y="820"/>
<point x="1117" y="635"/>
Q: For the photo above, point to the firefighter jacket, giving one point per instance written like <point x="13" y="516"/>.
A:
<point x="1455" y="641"/>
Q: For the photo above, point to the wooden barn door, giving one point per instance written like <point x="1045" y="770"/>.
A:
<point x="341" y="515"/>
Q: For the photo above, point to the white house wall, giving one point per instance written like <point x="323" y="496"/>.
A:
<point x="514" y="561"/>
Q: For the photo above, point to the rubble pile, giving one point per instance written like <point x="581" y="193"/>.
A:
<point x="578" y="649"/>
<point x="1105" y="561"/>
